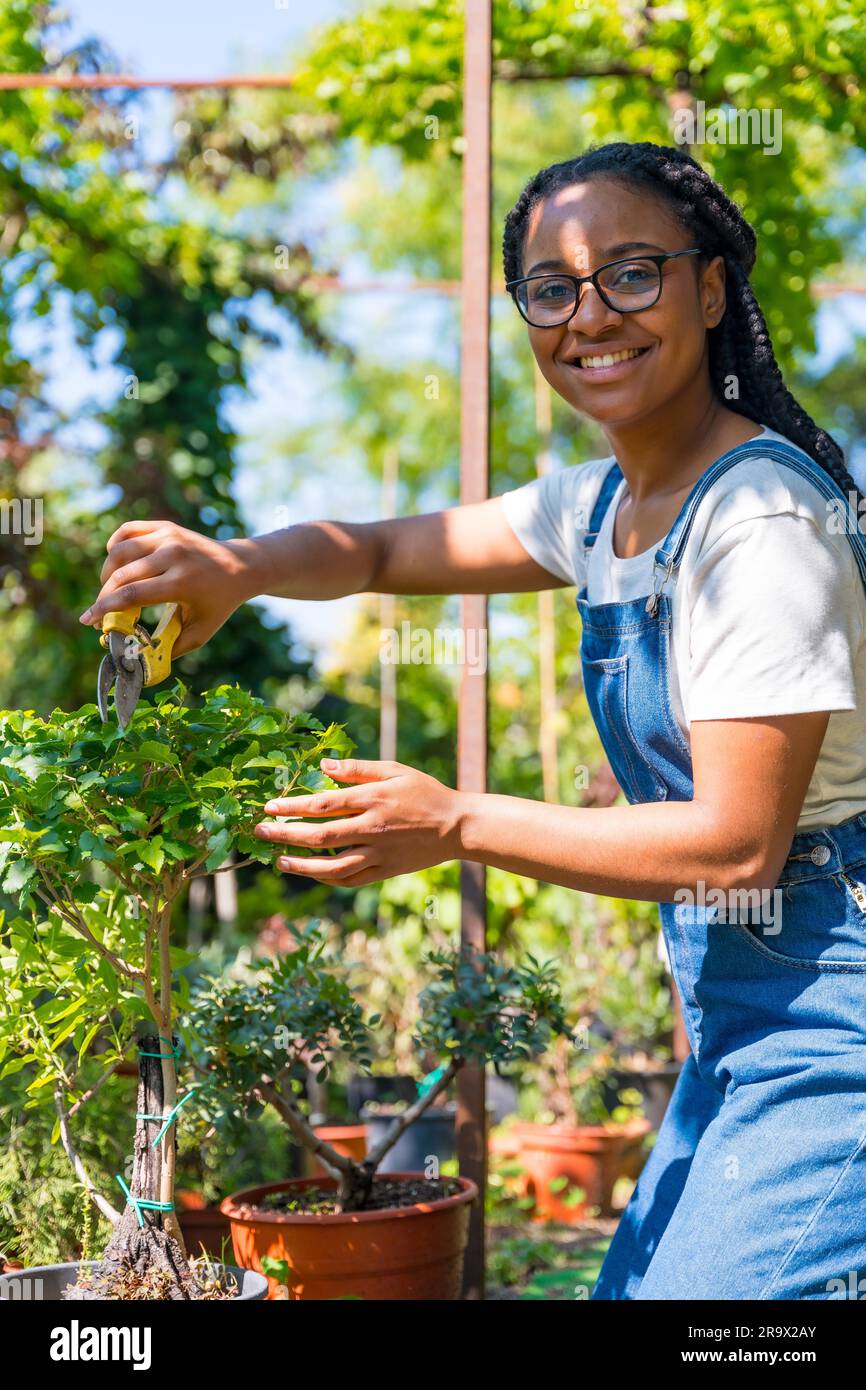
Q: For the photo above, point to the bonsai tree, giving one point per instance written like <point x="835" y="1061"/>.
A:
<point x="101" y="833"/>
<point x="254" y="1037"/>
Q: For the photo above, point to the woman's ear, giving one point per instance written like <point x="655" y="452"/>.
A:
<point x="712" y="288"/>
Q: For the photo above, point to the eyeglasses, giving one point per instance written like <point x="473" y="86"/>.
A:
<point x="626" y="286"/>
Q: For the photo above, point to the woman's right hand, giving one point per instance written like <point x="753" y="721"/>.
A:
<point x="161" y="562"/>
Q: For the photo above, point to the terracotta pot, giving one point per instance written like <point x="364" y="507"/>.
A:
<point x="399" y="1254"/>
<point x="201" y="1223"/>
<point x="350" y="1140"/>
<point x="126" y="1069"/>
<point x="590" y="1157"/>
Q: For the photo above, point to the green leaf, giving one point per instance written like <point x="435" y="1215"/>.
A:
<point x="219" y="846"/>
<point x="265" y="724"/>
<point x="216" y="777"/>
<point x="160" y="753"/>
<point x="65" y="1032"/>
<point x="84" y="892"/>
<point x="41" y="1081"/>
<point x="88" y="1038"/>
<point x="275" y="1269"/>
<point x="95" y="847"/>
<point x="18" y="877"/>
<point x="150" y="852"/>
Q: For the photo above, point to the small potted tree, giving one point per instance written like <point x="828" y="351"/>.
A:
<point x="100" y="834"/>
<point x="582" y="1124"/>
<point x="358" y="1233"/>
<point x="578" y="1147"/>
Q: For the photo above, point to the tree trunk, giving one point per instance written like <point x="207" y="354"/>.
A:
<point x="150" y="1247"/>
<point x="354" y="1188"/>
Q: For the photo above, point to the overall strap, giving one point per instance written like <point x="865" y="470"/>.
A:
<point x="669" y="556"/>
<point x="609" y="485"/>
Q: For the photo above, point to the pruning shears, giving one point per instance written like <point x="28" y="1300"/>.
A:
<point x="134" y="658"/>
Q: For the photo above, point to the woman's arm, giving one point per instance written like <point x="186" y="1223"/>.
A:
<point x="750" y="779"/>
<point x="468" y="549"/>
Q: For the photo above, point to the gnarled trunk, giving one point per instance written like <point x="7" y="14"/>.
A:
<point x="355" y="1186"/>
<point x="157" y="1245"/>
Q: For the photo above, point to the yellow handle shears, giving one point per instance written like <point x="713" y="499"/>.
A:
<point x="134" y="658"/>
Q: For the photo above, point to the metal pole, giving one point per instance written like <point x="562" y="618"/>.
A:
<point x="388" y="620"/>
<point x="107" y="81"/>
<point x="474" y="487"/>
<point x="546" y="621"/>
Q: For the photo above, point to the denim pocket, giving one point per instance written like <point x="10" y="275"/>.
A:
<point x="821" y="925"/>
<point x="606" y="681"/>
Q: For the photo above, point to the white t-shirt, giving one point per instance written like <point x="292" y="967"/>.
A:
<point x="768" y="608"/>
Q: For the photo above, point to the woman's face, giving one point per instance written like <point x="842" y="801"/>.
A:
<point x="579" y="229"/>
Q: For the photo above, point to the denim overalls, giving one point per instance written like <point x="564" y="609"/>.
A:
<point x="756" y="1185"/>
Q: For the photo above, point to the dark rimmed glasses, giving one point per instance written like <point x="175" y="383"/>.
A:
<point x="626" y="286"/>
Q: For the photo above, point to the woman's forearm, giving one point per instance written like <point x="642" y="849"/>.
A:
<point x="467" y="549"/>
<point x="387" y="818"/>
<point x="640" y="852"/>
<point x="313" y="560"/>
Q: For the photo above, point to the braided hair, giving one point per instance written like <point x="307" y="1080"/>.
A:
<point x="739" y="345"/>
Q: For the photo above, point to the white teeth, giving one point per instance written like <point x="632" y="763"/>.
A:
<point x="610" y="358"/>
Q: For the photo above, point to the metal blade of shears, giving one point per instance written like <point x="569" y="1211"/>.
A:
<point x="104" y="682"/>
<point x="123" y="670"/>
<point x="127" y="688"/>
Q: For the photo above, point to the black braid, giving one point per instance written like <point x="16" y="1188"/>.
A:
<point x="740" y="344"/>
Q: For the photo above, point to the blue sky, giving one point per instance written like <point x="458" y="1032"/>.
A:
<point x="192" y="38"/>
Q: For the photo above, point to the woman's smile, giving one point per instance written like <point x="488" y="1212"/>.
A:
<point x="601" y="364"/>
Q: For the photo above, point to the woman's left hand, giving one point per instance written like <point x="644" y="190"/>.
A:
<point x="392" y="820"/>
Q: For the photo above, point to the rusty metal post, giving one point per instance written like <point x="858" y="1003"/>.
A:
<point x="388" y="619"/>
<point x="474" y="487"/>
<point x="548" y="743"/>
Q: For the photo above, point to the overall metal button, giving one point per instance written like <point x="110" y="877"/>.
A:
<point x="820" y="854"/>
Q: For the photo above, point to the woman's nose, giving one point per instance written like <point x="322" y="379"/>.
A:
<point x="591" y="312"/>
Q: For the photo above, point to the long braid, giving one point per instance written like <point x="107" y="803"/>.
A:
<point x="740" y="345"/>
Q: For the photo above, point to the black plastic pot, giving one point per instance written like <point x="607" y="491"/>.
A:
<point x="45" y="1283"/>
<point x="384" y="1090"/>
<point x="655" y="1088"/>
<point x="501" y="1098"/>
<point x="431" y="1136"/>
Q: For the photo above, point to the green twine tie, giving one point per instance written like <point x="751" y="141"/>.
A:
<point x="141" y="1203"/>
<point x="170" y="1118"/>
<point x="429" y="1081"/>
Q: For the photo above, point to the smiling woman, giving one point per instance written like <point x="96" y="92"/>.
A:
<point x="724" y="661"/>
<point x="719" y="489"/>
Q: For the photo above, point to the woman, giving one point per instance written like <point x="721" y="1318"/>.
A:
<point x="723" y="619"/>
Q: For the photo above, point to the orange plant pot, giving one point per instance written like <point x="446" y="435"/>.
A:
<point x="590" y="1157"/>
<point x="350" y="1140"/>
<point x="399" y="1254"/>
